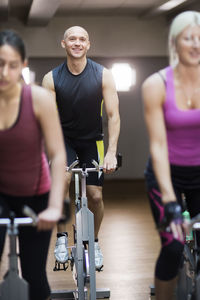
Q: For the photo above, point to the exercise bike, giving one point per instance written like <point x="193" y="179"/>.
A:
<point x="13" y="286"/>
<point x="188" y="282"/>
<point x="188" y="285"/>
<point x="82" y="256"/>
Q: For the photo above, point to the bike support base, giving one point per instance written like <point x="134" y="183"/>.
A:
<point x="152" y="290"/>
<point x="101" y="293"/>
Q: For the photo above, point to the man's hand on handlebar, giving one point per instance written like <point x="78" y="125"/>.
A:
<point x="97" y="167"/>
<point x="111" y="162"/>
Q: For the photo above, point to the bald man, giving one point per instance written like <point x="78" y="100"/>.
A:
<point x="81" y="85"/>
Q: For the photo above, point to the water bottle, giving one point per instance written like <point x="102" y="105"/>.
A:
<point x="186" y="216"/>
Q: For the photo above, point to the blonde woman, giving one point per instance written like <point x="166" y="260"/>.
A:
<point x="171" y="100"/>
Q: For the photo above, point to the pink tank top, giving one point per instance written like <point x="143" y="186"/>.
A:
<point x="183" y="128"/>
<point x="24" y="169"/>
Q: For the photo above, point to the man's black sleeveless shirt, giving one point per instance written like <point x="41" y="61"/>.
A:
<point x="79" y="99"/>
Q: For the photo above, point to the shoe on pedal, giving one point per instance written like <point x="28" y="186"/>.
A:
<point x="98" y="256"/>
<point x="61" y="251"/>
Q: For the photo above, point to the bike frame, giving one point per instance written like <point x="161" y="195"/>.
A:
<point x="84" y="231"/>
<point x="14" y="287"/>
<point x="189" y="276"/>
<point x="84" y="234"/>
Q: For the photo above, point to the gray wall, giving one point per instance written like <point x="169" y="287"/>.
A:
<point x="141" y="42"/>
<point x="110" y="36"/>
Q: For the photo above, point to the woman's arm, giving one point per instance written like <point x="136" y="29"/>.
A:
<point x="45" y="110"/>
<point x="153" y="91"/>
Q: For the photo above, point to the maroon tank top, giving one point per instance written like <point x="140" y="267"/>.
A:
<point x="24" y="169"/>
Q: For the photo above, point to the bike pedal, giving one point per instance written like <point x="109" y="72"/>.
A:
<point x="58" y="266"/>
<point x="99" y="269"/>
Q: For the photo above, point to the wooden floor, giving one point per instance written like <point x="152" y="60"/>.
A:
<point x="128" y="240"/>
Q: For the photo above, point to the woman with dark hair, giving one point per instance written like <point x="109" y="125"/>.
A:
<point x="172" y="113"/>
<point x="28" y="120"/>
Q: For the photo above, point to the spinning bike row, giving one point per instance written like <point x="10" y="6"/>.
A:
<point x="81" y="254"/>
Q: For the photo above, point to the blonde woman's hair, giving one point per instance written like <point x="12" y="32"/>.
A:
<point x="180" y="22"/>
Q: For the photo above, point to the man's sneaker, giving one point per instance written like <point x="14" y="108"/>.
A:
<point x="61" y="251"/>
<point x="98" y="256"/>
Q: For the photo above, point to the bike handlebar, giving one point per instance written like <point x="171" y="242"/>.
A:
<point x="96" y="168"/>
<point x="195" y="222"/>
<point x="87" y="170"/>
<point x="31" y="218"/>
<point x="17" y="221"/>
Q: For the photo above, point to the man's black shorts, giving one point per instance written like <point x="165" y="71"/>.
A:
<point x="85" y="151"/>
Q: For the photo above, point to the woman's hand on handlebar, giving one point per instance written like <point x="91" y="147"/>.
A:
<point x="48" y="218"/>
<point x="177" y="231"/>
<point x="173" y="220"/>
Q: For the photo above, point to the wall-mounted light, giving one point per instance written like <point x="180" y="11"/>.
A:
<point x="124" y="76"/>
<point x="170" y="4"/>
<point x="28" y="75"/>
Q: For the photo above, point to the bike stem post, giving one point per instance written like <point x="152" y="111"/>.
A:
<point x="13" y="232"/>
<point x="84" y="203"/>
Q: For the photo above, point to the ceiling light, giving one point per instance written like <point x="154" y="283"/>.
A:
<point x="170" y="4"/>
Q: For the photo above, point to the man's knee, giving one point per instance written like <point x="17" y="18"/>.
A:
<point x="95" y="195"/>
<point x="95" y="199"/>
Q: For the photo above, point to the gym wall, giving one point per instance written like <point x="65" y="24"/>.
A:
<point x="140" y="42"/>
